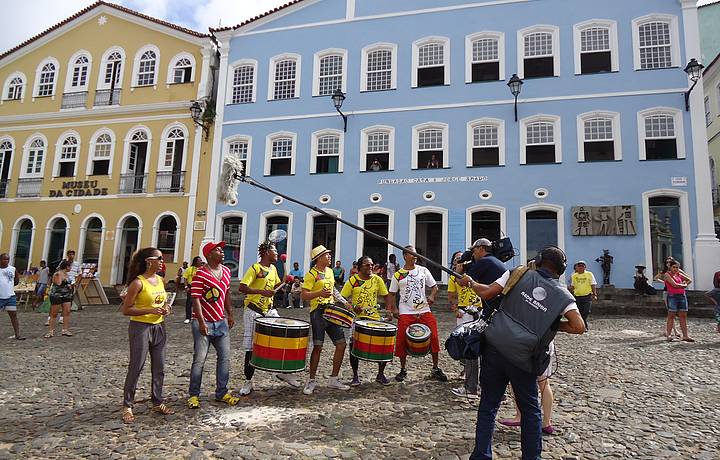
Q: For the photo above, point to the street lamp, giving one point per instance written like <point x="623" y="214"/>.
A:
<point x="515" y="85"/>
<point x="693" y="69"/>
<point x="196" y="111"/>
<point x="338" y="97"/>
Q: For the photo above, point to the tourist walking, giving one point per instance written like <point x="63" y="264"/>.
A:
<point x="390" y="268"/>
<point x="61" y="296"/>
<point x="677" y="304"/>
<point x="9" y="278"/>
<point x="42" y="284"/>
<point x="584" y="287"/>
<point x="146" y="305"/>
<point x="661" y="277"/>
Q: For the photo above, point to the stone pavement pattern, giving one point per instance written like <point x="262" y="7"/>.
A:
<point x="621" y="392"/>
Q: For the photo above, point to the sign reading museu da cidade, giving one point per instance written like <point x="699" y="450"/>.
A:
<point x="79" y="188"/>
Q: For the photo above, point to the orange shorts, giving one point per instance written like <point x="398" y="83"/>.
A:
<point x="427" y="319"/>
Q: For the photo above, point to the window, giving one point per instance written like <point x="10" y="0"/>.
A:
<point x="242" y="90"/>
<point x="660" y="134"/>
<point x="232" y="235"/>
<point x="377" y="149"/>
<point x="14" y="87"/>
<point x="486" y="143"/>
<point x="484" y="57"/>
<point x="93" y="241"/>
<point x="68" y="157"/>
<point x="596" y="47"/>
<point x="431" y="62"/>
<point x="174" y="147"/>
<point x="35" y="158"/>
<point x="656" y="42"/>
<point x="540" y="140"/>
<point x="78" y="77"/>
<point x="182" y="70"/>
<point x="46" y="78"/>
<point x="101" y="149"/>
<point x="329" y="73"/>
<point x="146" y="66"/>
<point x="539" y="52"/>
<point x="599" y="137"/>
<point x="430" y="146"/>
<point x="284" y="77"/>
<point x="379" y="66"/>
<point x="112" y="64"/>
<point x="240" y="148"/>
<point x="541" y="230"/>
<point x="167" y="236"/>
<point x="6" y="151"/>
<point x="280" y="154"/>
<point x="327" y="149"/>
<point x="708" y="111"/>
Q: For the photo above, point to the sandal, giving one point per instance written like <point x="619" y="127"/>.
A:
<point x="67" y="333"/>
<point x="127" y="415"/>
<point x="509" y="422"/>
<point x="162" y="409"/>
<point x="688" y="339"/>
<point x="49" y="335"/>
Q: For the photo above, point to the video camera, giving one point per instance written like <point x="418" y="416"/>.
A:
<point x="502" y="249"/>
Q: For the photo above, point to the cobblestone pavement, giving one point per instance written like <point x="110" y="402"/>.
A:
<point x="621" y="392"/>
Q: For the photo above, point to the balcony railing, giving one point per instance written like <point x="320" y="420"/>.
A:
<point x="107" y="97"/>
<point x="29" y="187"/>
<point x="133" y="183"/>
<point x="4" y="186"/>
<point x="170" y="182"/>
<point x="74" y="100"/>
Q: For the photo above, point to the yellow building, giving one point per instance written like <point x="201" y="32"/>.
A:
<point x="98" y="149"/>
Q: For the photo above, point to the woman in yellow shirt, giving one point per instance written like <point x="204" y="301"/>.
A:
<point x="146" y="305"/>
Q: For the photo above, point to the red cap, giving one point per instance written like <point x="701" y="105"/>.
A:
<point x="210" y="247"/>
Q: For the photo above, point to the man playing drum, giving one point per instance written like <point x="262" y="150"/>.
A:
<point x="409" y="284"/>
<point x="318" y="286"/>
<point x="364" y="288"/>
<point x="259" y="284"/>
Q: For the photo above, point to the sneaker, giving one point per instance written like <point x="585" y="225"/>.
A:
<point x="463" y="393"/>
<point x="193" y="402"/>
<point x="229" y="399"/>
<point x="309" y="387"/>
<point x="187" y="321"/>
<point x="401" y="375"/>
<point x="382" y="380"/>
<point x="246" y="389"/>
<point x="438" y="374"/>
<point x="289" y="379"/>
<point x="355" y="381"/>
<point x="336" y="384"/>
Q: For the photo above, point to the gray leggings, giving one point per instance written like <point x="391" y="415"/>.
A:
<point x="144" y="338"/>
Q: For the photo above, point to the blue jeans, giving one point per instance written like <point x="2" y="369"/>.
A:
<point x="219" y="337"/>
<point x="495" y="373"/>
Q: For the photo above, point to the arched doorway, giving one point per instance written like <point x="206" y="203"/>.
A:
<point x="324" y="231"/>
<point x="23" y="242"/>
<point x="278" y="223"/>
<point x="232" y="236"/>
<point x="166" y="237"/>
<point x="129" y="238"/>
<point x="541" y="231"/>
<point x="429" y="239"/>
<point x="56" y="243"/>
<point x="372" y="247"/>
<point x="93" y="241"/>
<point x="666" y="238"/>
<point x="485" y="224"/>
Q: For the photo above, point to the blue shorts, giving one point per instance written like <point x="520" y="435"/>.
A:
<point x="9" y="304"/>
<point x="677" y="302"/>
<point x="320" y="326"/>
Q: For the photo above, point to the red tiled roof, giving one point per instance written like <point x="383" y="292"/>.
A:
<point x="92" y="7"/>
<point x="248" y="21"/>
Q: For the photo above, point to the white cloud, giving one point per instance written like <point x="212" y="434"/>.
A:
<point x="231" y="12"/>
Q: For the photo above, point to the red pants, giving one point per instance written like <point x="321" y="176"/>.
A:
<point x="427" y="319"/>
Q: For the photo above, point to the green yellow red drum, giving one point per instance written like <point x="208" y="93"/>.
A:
<point x="338" y="314"/>
<point x="417" y="338"/>
<point x="280" y="344"/>
<point x="373" y="340"/>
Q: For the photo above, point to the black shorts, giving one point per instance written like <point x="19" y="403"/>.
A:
<point x="320" y="326"/>
<point x="60" y="300"/>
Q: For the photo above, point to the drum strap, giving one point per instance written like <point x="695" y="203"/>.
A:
<point x="255" y="308"/>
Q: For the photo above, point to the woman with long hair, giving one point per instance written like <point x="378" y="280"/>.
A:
<point x="146" y="305"/>
<point x="61" y="296"/>
<point x="677" y="304"/>
<point x="661" y="277"/>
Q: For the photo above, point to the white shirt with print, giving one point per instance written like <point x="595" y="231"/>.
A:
<point x="411" y="290"/>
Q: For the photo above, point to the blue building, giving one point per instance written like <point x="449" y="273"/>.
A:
<point x="603" y="154"/>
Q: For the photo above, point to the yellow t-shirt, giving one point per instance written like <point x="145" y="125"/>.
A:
<point x="466" y="296"/>
<point x="150" y="297"/>
<point x="262" y="278"/>
<point x="364" y="294"/>
<point x="316" y="280"/>
<point x="189" y="273"/>
<point x="582" y="283"/>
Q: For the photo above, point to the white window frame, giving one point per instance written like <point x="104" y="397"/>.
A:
<point x="365" y="132"/>
<point x="268" y="150"/>
<point x="314" y="147"/>
<point x="557" y="134"/>
<point x="13" y="154"/>
<point x="231" y="75"/>
<point x="172" y="64"/>
<point x="26" y="155"/>
<point x="546" y="28"/>
<point x="126" y="148"/>
<point x="38" y="71"/>
<point x="156" y="231"/>
<point x="416" y="141"/>
<point x="83" y="236"/>
<point x="471" y="125"/>
<point x="58" y="152"/>
<point x="69" y="88"/>
<point x="445" y="231"/>
<point x="674" y="38"/>
<point x="617" y="137"/>
<point x="163" y="146"/>
<point x="557" y="209"/>
<point x="136" y="66"/>
<point x="239" y="138"/>
<point x="393" y="48"/>
<point x="6" y="87"/>
<point x="316" y="68"/>
<point x="417" y="44"/>
<point x="613" y="36"/>
<point x="362" y="214"/>
<point x="271" y="75"/>
<point x="486" y="34"/>
<point x="103" y="64"/>
<point x="91" y="152"/>
<point x="678" y="125"/>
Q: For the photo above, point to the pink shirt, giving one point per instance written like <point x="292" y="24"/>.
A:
<point x="673" y="290"/>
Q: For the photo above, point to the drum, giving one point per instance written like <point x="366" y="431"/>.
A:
<point x="338" y="314"/>
<point x="417" y="337"/>
<point x="280" y="344"/>
<point x="373" y="340"/>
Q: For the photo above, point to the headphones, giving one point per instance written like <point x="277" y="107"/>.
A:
<point x="563" y="264"/>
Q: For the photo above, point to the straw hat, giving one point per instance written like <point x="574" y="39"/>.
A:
<point x="318" y="251"/>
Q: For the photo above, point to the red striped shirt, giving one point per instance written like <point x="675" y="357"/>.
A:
<point x="211" y="293"/>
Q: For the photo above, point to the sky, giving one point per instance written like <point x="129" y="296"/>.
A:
<point x="38" y="15"/>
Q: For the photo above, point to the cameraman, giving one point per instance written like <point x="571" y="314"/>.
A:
<point x="497" y="369"/>
<point x="485" y="268"/>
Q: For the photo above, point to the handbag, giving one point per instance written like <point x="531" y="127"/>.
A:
<point x="467" y="340"/>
